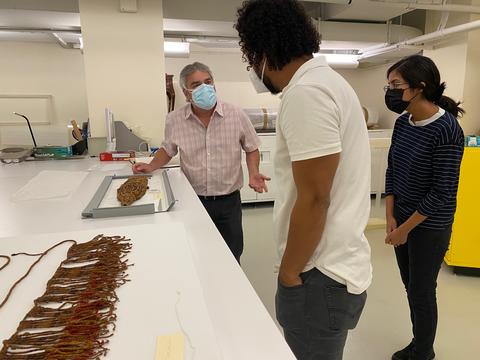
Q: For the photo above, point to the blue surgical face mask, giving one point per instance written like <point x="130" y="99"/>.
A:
<point x="204" y="96"/>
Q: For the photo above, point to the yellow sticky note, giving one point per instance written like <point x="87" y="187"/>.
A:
<point x="170" y="347"/>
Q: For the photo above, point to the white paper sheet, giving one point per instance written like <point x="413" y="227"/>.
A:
<point x="114" y="167"/>
<point x="49" y="184"/>
<point x="163" y="297"/>
<point x="154" y="195"/>
<point x="118" y="165"/>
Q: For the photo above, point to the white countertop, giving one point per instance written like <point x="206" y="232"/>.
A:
<point x="241" y="323"/>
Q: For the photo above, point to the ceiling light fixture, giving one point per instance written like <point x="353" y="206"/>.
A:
<point x="176" y="49"/>
<point x="340" y="61"/>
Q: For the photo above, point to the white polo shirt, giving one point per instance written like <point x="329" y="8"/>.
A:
<point x="321" y="115"/>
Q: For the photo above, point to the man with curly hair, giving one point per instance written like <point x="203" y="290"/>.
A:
<point x="322" y="166"/>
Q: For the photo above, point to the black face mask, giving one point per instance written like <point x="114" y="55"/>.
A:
<point x="394" y="102"/>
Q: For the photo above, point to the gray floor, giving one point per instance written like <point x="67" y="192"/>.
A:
<point x="384" y="326"/>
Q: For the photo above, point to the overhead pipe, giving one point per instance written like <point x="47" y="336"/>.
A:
<point x="444" y="32"/>
<point x="453" y="8"/>
<point x="444" y="20"/>
<point x="407" y="5"/>
<point x="72" y="30"/>
<point x="340" y="2"/>
<point x="60" y="41"/>
<point x="52" y="32"/>
<point x="420" y="40"/>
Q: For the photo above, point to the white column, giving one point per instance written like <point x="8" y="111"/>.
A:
<point x="125" y="65"/>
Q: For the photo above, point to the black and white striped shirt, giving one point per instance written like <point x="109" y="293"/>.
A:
<point x="423" y="168"/>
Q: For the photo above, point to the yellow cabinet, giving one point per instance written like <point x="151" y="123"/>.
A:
<point x="465" y="242"/>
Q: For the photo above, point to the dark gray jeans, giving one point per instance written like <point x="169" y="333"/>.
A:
<point x="419" y="261"/>
<point x="317" y="315"/>
<point x="226" y="213"/>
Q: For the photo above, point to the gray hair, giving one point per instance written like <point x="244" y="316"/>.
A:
<point x="190" y="69"/>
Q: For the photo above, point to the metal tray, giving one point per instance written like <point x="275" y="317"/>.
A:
<point x="96" y="208"/>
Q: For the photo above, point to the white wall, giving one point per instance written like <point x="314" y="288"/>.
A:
<point x="43" y="68"/>
<point x="450" y="56"/>
<point x="224" y="10"/>
<point x="233" y="84"/>
<point x="452" y="68"/>
<point x="368" y="84"/>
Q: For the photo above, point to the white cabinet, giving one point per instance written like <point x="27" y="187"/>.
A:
<point x="379" y="145"/>
<point x="267" y="150"/>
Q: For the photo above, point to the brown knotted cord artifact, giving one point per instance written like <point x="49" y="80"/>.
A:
<point x="75" y="316"/>
<point x="132" y="190"/>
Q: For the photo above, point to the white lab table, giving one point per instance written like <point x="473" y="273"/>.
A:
<point x="242" y="325"/>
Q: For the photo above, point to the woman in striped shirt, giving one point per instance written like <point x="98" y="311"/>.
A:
<point x="421" y="188"/>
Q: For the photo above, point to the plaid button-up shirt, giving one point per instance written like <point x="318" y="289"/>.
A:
<point x="211" y="156"/>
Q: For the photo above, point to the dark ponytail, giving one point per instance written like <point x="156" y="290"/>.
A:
<point x="450" y="105"/>
<point x="421" y="73"/>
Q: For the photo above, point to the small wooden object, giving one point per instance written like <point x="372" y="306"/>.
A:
<point x="77" y="134"/>
<point x="170" y="92"/>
